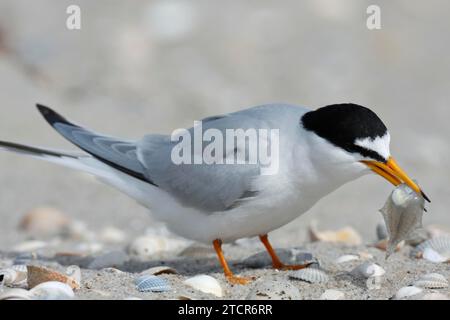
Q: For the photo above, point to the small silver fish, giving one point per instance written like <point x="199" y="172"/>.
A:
<point x="402" y="214"/>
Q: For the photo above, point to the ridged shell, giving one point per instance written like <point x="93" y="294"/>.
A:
<point x="367" y="270"/>
<point x="407" y="292"/>
<point x="52" y="290"/>
<point x="311" y="275"/>
<point x="206" y="284"/>
<point x="439" y="245"/>
<point x="432" y="281"/>
<point x="346" y="235"/>
<point x="151" y="283"/>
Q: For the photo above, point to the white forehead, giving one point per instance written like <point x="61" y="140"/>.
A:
<point x="380" y="144"/>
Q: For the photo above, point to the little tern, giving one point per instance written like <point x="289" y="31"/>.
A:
<point x="319" y="150"/>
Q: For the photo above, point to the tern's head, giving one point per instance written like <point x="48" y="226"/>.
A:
<point x="355" y="134"/>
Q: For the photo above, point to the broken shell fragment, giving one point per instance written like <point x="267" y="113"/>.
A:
<point x="367" y="270"/>
<point x="407" y="292"/>
<point x="151" y="283"/>
<point x="311" y="275"/>
<point x="332" y="294"/>
<point x="435" y="249"/>
<point x="346" y="235"/>
<point x="14" y="276"/>
<point x="432" y="281"/>
<point x="206" y="284"/>
<point x="346" y="258"/>
<point x="38" y="275"/>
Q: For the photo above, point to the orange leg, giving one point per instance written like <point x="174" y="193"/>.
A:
<point x="276" y="262"/>
<point x="228" y="273"/>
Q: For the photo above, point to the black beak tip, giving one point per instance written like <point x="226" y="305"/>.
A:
<point x="425" y="196"/>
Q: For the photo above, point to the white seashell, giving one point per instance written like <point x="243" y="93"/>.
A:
<point x="311" y="275"/>
<point x="434" y="296"/>
<point x="28" y="246"/>
<point x="406" y="292"/>
<point x="368" y="269"/>
<point x="332" y="294"/>
<point x="436" y="249"/>
<point x="112" y="235"/>
<point x="13" y="276"/>
<point x="150" y="283"/>
<point x="110" y="259"/>
<point x="15" y="294"/>
<point x="147" y="247"/>
<point x="346" y="235"/>
<point x="159" y="270"/>
<point x="273" y="290"/>
<point x="44" y="221"/>
<point x="432" y="281"/>
<point x="52" y="290"/>
<point x="74" y="272"/>
<point x="206" y="284"/>
<point x="433" y="256"/>
<point x="346" y="258"/>
<point x="364" y="255"/>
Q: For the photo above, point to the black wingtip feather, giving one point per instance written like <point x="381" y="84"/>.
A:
<point x="51" y="116"/>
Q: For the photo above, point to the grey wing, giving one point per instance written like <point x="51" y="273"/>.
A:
<point x="118" y="153"/>
<point x="207" y="187"/>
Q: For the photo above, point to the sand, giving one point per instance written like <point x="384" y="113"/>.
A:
<point x="127" y="73"/>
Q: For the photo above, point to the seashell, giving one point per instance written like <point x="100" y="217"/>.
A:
<point x="332" y="294"/>
<point x="206" y="284"/>
<point x="38" y="275"/>
<point x="311" y="275"/>
<point x="432" y="281"/>
<point x="402" y="215"/>
<point x="149" y="246"/>
<point x="110" y="259"/>
<point x="44" y="221"/>
<point x="434" y="296"/>
<point x="406" y="292"/>
<point x="273" y="290"/>
<point x="368" y="269"/>
<point x="112" y="235"/>
<point x="435" y="249"/>
<point x="346" y="258"/>
<point x="382" y="232"/>
<point x="52" y="290"/>
<point x="159" y="270"/>
<point x="150" y="283"/>
<point x="29" y="246"/>
<point x="77" y="230"/>
<point x="15" y="294"/>
<point x="346" y="235"/>
<point x="14" y="276"/>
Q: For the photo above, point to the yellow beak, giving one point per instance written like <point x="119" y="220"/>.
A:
<point x="392" y="172"/>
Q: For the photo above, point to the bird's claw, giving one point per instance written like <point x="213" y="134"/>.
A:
<point x="239" y="280"/>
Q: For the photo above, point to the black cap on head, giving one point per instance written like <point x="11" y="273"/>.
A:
<point x="342" y="124"/>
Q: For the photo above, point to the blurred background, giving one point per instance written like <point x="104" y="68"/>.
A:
<point x="140" y="67"/>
